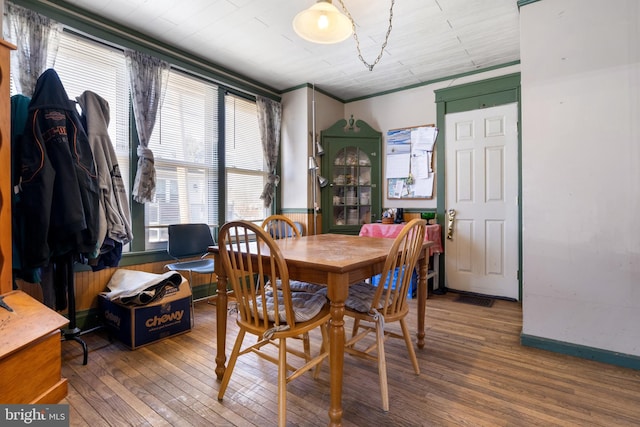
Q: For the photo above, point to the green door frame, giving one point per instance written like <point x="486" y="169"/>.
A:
<point x="472" y="96"/>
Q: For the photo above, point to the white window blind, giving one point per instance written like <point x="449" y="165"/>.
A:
<point x="246" y="172"/>
<point x="184" y="145"/>
<point x="84" y="65"/>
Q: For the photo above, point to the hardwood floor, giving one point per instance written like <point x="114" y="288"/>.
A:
<point x="474" y="372"/>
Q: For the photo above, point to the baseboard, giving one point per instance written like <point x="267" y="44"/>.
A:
<point x="88" y="319"/>
<point x="584" y="352"/>
<point x="204" y="291"/>
<point x="475" y="294"/>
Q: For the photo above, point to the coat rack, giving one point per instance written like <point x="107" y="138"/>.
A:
<point x="72" y="332"/>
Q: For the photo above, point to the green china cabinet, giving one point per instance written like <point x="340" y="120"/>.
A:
<point x="352" y="165"/>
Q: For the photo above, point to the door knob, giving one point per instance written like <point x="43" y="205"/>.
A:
<point x="451" y="215"/>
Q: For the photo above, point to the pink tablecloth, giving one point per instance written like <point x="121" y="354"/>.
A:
<point x="392" y="230"/>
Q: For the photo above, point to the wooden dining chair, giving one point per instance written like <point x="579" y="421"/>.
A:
<point x="251" y="257"/>
<point x="281" y="227"/>
<point x="378" y="306"/>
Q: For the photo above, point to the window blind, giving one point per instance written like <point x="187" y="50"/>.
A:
<point x="246" y="172"/>
<point x="184" y="144"/>
<point x="84" y="65"/>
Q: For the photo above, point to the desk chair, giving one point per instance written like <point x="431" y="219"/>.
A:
<point x="188" y="241"/>
<point x="274" y="316"/>
<point x="380" y="305"/>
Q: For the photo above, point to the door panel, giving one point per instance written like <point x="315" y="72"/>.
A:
<point x="464" y="179"/>
<point x="495" y="242"/>
<point x="494" y="178"/>
<point x="481" y="185"/>
<point x="464" y="248"/>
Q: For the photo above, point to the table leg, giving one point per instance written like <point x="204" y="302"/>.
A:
<point x="337" y="293"/>
<point x="221" y="321"/>
<point x="423" y="269"/>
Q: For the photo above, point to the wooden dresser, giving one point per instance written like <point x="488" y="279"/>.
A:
<point x="30" y="352"/>
<point x="5" y="169"/>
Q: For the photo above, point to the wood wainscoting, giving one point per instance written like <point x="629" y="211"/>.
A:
<point x="306" y="219"/>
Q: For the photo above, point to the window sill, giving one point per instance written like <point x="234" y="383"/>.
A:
<point x="133" y="258"/>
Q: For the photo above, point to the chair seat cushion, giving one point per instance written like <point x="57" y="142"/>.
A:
<point x="305" y="305"/>
<point x="298" y="286"/>
<point x="360" y="297"/>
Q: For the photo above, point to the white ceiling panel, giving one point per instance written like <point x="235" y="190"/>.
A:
<point x="430" y="39"/>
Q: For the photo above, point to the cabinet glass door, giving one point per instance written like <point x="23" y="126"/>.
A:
<point x="351" y="184"/>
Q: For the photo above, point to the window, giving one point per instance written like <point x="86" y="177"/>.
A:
<point x="85" y="65"/>
<point x="184" y="142"/>
<point x="185" y="148"/>
<point x="246" y="170"/>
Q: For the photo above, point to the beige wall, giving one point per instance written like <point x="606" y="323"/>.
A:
<point x="412" y="107"/>
<point x="295" y="145"/>
<point x="581" y="172"/>
<point x="297" y="125"/>
<point x="406" y="108"/>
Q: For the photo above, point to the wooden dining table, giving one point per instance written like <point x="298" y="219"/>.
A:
<point x="334" y="260"/>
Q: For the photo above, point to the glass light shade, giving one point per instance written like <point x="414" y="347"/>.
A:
<point x="322" y="23"/>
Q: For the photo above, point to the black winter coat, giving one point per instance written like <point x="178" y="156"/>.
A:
<point x="58" y="180"/>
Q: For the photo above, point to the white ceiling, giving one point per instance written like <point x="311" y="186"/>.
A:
<point x="430" y="39"/>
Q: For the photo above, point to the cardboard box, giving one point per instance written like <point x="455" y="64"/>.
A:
<point x="141" y="325"/>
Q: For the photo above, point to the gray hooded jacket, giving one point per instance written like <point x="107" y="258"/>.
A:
<point x="115" y="217"/>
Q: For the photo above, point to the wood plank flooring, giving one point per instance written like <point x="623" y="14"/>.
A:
<point x="474" y="372"/>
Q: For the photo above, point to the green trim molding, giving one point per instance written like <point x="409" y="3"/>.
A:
<point x="88" y="320"/>
<point x="525" y="2"/>
<point x="400" y="89"/>
<point x="133" y="258"/>
<point x="310" y="86"/>
<point x="584" y="352"/>
<point x="297" y="211"/>
<point x="441" y="79"/>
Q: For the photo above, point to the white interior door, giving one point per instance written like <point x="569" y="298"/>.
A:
<point x="481" y="181"/>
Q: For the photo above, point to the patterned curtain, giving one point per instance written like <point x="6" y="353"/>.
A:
<point x="35" y="36"/>
<point x="270" y="120"/>
<point x="146" y="77"/>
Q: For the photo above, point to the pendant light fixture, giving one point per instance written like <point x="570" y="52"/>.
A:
<point x="323" y="23"/>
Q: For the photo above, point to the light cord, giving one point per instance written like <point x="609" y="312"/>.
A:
<point x="355" y="35"/>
